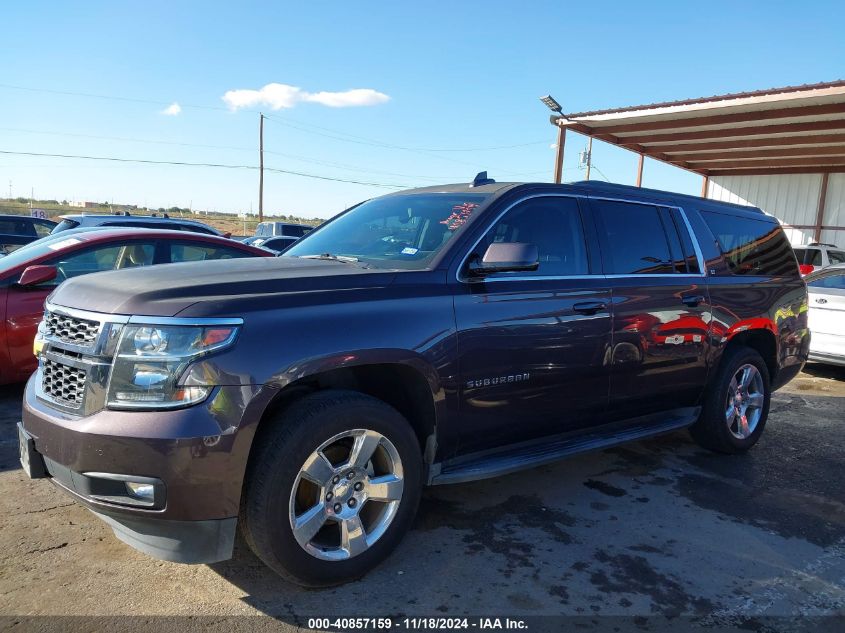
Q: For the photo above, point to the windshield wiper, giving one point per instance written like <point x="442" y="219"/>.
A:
<point x="337" y="258"/>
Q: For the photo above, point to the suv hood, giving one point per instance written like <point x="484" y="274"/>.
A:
<point x="232" y="285"/>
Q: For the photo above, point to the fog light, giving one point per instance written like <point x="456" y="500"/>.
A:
<point x="145" y="492"/>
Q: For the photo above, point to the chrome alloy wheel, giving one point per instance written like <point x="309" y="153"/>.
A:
<point x="744" y="405"/>
<point x="346" y="494"/>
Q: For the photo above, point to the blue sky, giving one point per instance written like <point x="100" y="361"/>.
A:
<point x="440" y="76"/>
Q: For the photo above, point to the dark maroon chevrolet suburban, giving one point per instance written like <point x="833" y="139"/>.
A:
<point x="426" y="337"/>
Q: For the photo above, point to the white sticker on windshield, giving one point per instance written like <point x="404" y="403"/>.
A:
<point x="410" y="251"/>
<point x="64" y="244"/>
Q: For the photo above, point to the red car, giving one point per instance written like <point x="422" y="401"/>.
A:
<point x="31" y="273"/>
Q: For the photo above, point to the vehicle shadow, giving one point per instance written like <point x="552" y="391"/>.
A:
<point x="10" y="415"/>
<point x="501" y="545"/>
<point x="820" y="370"/>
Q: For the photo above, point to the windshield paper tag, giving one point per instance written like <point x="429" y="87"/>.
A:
<point x="410" y="251"/>
<point x="460" y="214"/>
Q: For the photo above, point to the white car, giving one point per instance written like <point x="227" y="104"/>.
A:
<point x="827" y="315"/>
<point x="815" y="256"/>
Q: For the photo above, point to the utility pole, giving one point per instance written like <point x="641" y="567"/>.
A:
<point x="589" y="155"/>
<point x="261" y="167"/>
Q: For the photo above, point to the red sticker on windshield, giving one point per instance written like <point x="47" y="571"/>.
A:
<point x="460" y="214"/>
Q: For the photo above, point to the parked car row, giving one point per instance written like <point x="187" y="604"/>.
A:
<point x="30" y="274"/>
<point x="86" y="243"/>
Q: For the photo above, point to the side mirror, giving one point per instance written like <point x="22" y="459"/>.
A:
<point x="506" y="257"/>
<point x="34" y="275"/>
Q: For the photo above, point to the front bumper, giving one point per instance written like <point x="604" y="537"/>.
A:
<point x="198" y="454"/>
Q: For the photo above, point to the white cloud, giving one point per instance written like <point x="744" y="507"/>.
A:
<point x="172" y="110"/>
<point x="349" y="98"/>
<point x="282" y="96"/>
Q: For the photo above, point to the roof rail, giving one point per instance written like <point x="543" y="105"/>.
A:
<point x="822" y="244"/>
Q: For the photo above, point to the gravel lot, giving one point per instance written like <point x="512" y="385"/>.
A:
<point x="654" y="528"/>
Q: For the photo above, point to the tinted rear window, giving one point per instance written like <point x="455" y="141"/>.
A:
<point x="836" y="257"/>
<point x="14" y="226"/>
<point x="643" y="239"/>
<point x="752" y="247"/>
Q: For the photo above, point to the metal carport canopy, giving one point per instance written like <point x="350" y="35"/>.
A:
<point x="791" y="130"/>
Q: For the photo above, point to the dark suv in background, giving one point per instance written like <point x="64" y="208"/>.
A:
<point x="19" y="230"/>
<point x="426" y="337"/>
<point x="164" y="221"/>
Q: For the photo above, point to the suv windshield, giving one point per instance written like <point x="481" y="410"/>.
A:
<point x="401" y="231"/>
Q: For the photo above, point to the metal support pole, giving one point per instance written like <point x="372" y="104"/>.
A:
<point x="705" y="181"/>
<point x="261" y="168"/>
<point x="589" y="155"/>
<point x="640" y="171"/>
<point x="817" y="233"/>
<point x="561" y="142"/>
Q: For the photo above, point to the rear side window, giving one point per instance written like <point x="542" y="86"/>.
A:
<point x="13" y="226"/>
<point x="830" y="282"/>
<point x="42" y="229"/>
<point x="752" y="247"/>
<point x="836" y="257"/>
<point x="293" y="231"/>
<point x="202" y="252"/>
<point x="642" y="239"/>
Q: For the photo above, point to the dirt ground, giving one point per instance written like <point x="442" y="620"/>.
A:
<point x="659" y="527"/>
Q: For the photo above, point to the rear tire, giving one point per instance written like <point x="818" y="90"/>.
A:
<point x="332" y="486"/>
<point x="736" y="403"/>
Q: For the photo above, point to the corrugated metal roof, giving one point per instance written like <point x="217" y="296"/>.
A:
<point x="726" y="97"/>
<point x="794" y="129"/>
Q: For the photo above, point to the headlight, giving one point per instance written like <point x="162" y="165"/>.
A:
<point x="151" y="359"/>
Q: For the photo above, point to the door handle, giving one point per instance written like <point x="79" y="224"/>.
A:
<point x="692" y="300"/>
<point x="589" y="307"/>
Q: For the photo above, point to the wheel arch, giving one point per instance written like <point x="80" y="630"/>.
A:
<point x="403" y="380"/>
<point x="760" y="339"/>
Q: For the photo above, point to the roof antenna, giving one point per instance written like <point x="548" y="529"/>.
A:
<point x="481" y="179"/>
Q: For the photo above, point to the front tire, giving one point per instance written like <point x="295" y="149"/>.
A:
<point x="332" y="487"/>
<point x="736" y="403"/>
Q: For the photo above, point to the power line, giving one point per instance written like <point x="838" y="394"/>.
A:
<point x="216" y="165"/>
<point x="306" y="159"/>
<point x="366" y="141"/>
<point x="111" y="97"/>
<point x="287" y="121"/>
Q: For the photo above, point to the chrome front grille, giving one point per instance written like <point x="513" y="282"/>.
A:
<point x="75" y="352"/>
<point x="63" y="384"/>
<point x="71" y="329"/>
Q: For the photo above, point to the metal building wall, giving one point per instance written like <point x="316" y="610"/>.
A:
<point x="792" y="198"/>
<point x="834" y="210"/>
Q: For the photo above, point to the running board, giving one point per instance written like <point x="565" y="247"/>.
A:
<point x="538" y="453"/>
